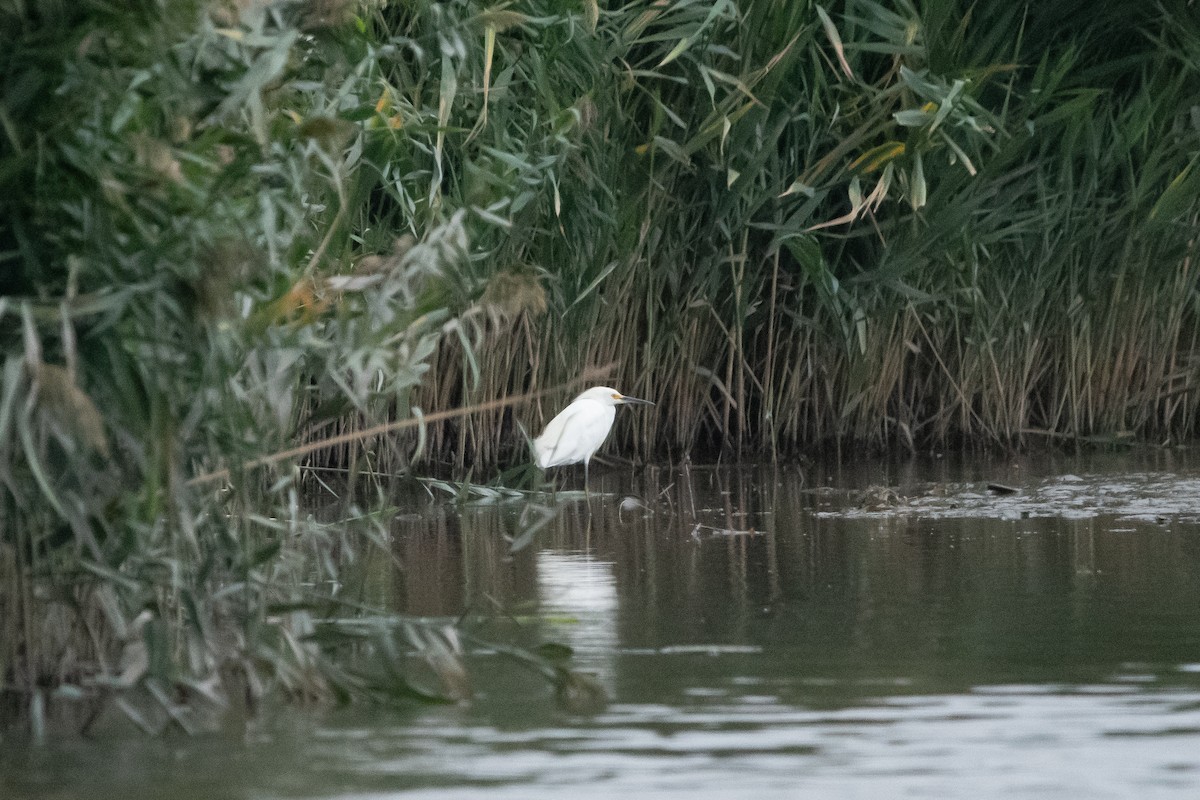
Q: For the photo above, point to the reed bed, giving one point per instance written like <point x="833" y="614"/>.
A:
<point x="878" y="225"/>
<point x="246" y="238"/>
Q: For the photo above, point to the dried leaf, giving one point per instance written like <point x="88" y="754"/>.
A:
<point x="70" y="406"/>
<point x="836" y="40"/>
<point x="510" y="292"/>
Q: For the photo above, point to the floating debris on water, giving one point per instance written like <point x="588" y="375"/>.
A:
<point x="1144" y="497"/>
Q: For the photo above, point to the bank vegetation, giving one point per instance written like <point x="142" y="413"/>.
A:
<point x="249" y="249"/>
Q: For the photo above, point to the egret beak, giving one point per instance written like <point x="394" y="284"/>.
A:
<point x="635" y="401"/>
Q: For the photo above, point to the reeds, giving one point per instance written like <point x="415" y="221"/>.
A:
<point x="187" y="291"/>
<point x="903" y="227"/>
<point x="241" y="228"/>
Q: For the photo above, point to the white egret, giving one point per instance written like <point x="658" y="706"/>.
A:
<point x="580" y="428"/>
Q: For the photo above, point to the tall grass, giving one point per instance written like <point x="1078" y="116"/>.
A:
<point x="887" y="224"/>
<point x="230" y="228"/>
<point x="189" y="285"/>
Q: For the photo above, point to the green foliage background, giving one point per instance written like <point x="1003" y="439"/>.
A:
<point x="977" y="223"/>
<point x="226" y="227"/>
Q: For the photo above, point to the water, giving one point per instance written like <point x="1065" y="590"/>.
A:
<point x="765" y="633"/>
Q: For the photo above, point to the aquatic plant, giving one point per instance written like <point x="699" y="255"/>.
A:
<point x="794" y="226"/>
<point x="194" y="280"/>
<point x="239" y="240"/>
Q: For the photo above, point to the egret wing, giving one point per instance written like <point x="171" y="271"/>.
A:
<point x="573" y="435"/>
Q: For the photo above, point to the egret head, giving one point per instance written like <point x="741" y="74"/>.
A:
<point x="609" y="396"/>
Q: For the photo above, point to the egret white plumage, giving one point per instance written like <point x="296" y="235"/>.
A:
<point x="580" y="428"/>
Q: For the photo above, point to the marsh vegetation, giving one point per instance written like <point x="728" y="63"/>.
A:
<point x="250" y="252"/>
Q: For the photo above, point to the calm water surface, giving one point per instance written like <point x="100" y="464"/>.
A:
<point x="765" y="633"/>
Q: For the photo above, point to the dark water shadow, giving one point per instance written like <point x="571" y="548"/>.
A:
<point x="777" y="632"/>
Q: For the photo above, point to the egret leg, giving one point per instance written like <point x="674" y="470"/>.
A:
<point x="587" y="492"/>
